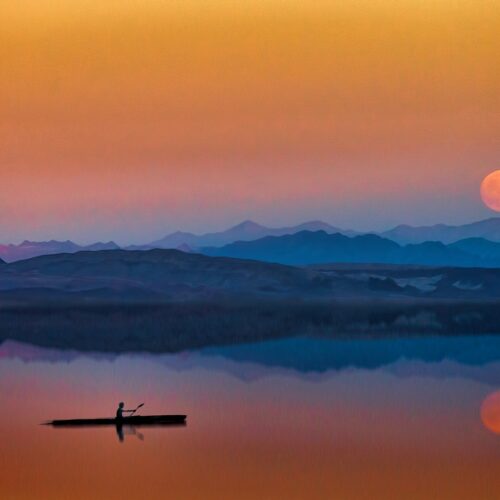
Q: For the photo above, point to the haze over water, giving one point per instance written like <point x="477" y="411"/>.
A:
<point x="294" y="418"/>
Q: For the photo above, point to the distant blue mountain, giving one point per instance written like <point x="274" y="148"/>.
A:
<point x="245" y="231"/>
<point x="308" y="247"/>
<point x="317" y="247"/>
<point x="248" y="230"/>
<point x="488" y="229"/>
<point x="480" y="247"/>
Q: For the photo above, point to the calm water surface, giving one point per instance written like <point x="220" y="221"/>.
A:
<point x="289" y="419"/>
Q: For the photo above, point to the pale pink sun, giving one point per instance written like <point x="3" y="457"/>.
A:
<point x="490" y="190"/>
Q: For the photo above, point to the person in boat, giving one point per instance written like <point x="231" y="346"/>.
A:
<point x="120" y="411"/>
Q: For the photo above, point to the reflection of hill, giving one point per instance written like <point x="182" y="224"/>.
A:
<point x="174" y="327"/>
<point x="475" y="358"/>
<point x="312" y="354"/>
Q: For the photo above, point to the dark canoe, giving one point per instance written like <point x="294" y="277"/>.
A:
<point x="135" y="420"/>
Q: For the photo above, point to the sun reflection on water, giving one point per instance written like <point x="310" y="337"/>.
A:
<point x="490" y="412"/>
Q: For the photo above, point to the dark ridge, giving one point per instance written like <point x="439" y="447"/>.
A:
<point x="157" y="275"/>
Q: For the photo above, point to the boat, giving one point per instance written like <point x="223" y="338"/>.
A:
<point x="136" y="420"/>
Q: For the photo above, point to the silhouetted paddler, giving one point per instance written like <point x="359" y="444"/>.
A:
<point x="120" y="411"/>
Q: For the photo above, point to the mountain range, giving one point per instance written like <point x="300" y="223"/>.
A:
<point x="488" y="229"/>
<point x="245" y="231"/>
<point x="186" y="242"/>
<point x="479" y="239"/>
<point x="307" y="247"/>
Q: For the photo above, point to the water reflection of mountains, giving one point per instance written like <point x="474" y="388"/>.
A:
<point x="472" y="357"/>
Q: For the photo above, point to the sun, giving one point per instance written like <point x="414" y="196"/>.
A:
<point x="490" y="190"/>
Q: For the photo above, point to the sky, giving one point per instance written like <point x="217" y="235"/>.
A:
<point x="128" y="119"/>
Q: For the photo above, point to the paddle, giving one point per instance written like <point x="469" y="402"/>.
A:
<point x="141" y="405"/>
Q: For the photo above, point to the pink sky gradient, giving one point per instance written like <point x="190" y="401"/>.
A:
<point x="132" y="120"/>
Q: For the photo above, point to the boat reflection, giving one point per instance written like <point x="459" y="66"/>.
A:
<point x="128" y="430"/>
<point x="124" y="429"/>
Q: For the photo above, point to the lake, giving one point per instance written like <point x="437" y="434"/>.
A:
<point x="297" y="418"/>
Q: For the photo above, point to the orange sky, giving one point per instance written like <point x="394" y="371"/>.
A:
<point x="129" y="119"/>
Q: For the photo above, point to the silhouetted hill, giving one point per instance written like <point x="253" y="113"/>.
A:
<point x="317" y="247"/>
<point x="245" y="231"/>
<point x="166" y="273"/>
<point x="29" y="249"/>
<point x="172" y="275"/>
<point x="403" y="234"/>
